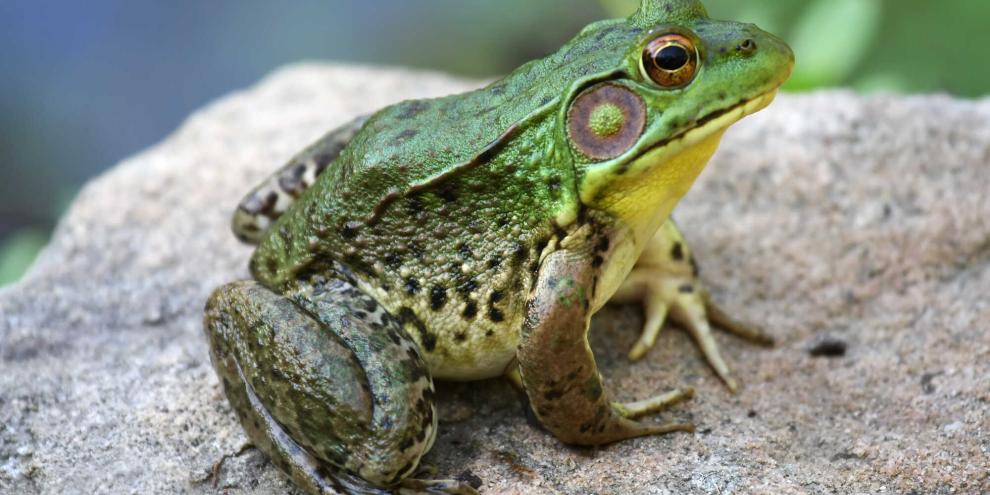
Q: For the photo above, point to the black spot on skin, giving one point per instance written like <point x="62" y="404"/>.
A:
<point x="421" y="406"/>
<point x="412" y="285"/>
<point x="406" y="134"/>
<point x="470" y="310"/>
<point x="447" y="191"/>
<point x="460" y="336"/>
<point x="271" y="264"/>
<point x="597" y="261"/>
<point x="429" y="342"/>
<point x="468" y="287"/>
<point x="414" y="206"/>
<point x="553" y="394"/>
<point x="490" y="333"/>
<point x="602" y="245"/>
<point x="360" y="315"/>
<point x="677" y="252"/>
<point x="263" y="206"/>
<point x="464" y="250"/>
<point x="494" y="262"/>
<point x="350" y="230"/>
<point x="438" y="297"/>
<point x="370" y="305"/>
<point x="358" y="264"/>
<point x="496" y="315"/>
<point x="519" y="251"/>
<point x="572" y="375"/>
<point x="417" y="251"/>
<point x="495" y="297"/>
<point x="412" y="108"/>
<point x="686" y="289"/>
<point x="393" y="260"/>
<point x="323" y="159"/>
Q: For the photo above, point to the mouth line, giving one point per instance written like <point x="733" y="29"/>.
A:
<point x="698" y="125"/>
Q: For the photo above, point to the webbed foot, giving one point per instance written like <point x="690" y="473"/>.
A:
<point x="665" y="280"/>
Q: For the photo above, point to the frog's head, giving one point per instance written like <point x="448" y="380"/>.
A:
<point x="641" y="130"/>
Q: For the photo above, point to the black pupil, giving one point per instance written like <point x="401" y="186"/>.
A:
<point x="671" y="57"/>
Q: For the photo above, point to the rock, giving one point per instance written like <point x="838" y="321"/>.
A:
<point x="863" y="218"/>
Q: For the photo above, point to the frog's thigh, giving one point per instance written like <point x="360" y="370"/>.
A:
<point x="665" y="280"/>
<point x="261" y="207"/>
<point x="324" y="391"/>
<point x="558" y="369"/>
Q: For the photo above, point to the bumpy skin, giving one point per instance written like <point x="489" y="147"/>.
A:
<point x="460" y="237"/>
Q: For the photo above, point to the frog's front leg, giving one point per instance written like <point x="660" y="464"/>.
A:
<point x="327" y="384"/>
<point x="558" y="369"/>
<point x="665" y="281"/>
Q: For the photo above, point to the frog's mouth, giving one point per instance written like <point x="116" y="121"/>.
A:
<point x="642" y="191"/>
<point x="687" y="151"/>
<point x="712" y="123"/>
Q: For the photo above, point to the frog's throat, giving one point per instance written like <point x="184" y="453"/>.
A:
<point x="642" y="191"/>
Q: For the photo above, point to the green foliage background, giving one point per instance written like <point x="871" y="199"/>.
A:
<point x="904" y="46"/>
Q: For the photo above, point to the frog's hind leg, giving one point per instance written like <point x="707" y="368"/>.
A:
<point x="327" y="384"/>
<point x="665" y="281"/>
<point x="261" y="207"/>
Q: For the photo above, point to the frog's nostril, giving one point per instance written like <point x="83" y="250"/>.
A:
<point x="748" y="46"/>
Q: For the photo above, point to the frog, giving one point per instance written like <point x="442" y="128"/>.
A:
<point x="473" y="236"/>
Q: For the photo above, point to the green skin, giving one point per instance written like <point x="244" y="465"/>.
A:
<point x="457" y="238"/>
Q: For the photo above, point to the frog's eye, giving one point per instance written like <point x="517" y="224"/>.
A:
<point x="670" y="60"/>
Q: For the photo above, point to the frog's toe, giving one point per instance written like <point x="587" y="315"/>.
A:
<point x="721" y="319"/>
<point x="449" y="487"/>
<point x="653" y="405"/>
<point x="681" y="298"/>
<point x="691" y="315"/>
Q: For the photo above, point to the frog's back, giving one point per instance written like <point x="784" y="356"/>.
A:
<point x="441" y="208"/>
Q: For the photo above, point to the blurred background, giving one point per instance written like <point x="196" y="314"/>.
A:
<point x="85" y="84"/>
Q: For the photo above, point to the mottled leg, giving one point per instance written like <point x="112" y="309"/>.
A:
<point x="270" y="199"/>
<point x="558" y="368"/>
<point x="665" y="281"/>
<point x="327" y="384"/>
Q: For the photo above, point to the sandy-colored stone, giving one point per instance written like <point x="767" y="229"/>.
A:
<point x="866" y="220"/>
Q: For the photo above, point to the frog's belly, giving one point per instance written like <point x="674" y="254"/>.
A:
<point x="473" y="356"/>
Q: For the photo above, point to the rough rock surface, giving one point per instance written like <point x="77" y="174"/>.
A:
<point x="829" y="217"/>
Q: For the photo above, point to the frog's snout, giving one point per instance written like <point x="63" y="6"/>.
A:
<point x="765" y="49"/>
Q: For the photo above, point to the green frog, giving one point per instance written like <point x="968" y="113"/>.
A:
<point x="473" y="236"/>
